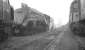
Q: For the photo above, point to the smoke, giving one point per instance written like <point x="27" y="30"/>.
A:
<point x="57" y="9"/>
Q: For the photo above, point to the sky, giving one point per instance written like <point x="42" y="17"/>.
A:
<point x="57" y="9"/>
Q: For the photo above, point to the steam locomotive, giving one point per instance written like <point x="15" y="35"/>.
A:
<point x="77" y="18"/>
<point x="6" y="15"/>
<point x="10" y="26"/>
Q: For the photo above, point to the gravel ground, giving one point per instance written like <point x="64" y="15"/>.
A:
<point x="61" y="39"/>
